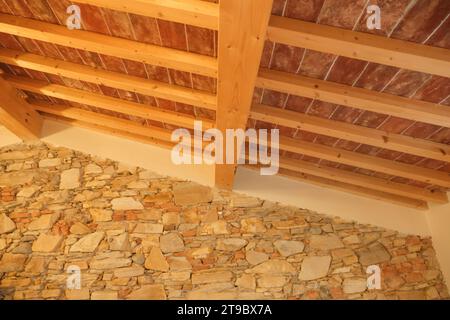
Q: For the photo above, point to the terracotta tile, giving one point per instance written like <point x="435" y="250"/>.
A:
<point x="421" y="130"/>
<point x="346" y="114"/>
<point x="325" y="140"/>
<point x="157" y="73"/>
<point x="406" y="83"/>
<point x="145" y="29"/>
<point x="42" y="11"/>
<point x="274" y="98"/>
<point x="346" y="145"/>
<point x="59" y="7"/>
<point x="173" y="34"/>
<point x="267" y="54"/>
<point x="441" y="38"/>
<point x="299" y="104"/>
<point x="422" y="20"/>
<point x="322" y="109"/>
<point x="346" y="70"/>
<point x="278" y="7"/>
<point x="341" y="13"/>
<point x="408" y="159"/>
<point x="376" y="77"/>
<point x="442" y="136"/>
<point x="316" y="64"/>
<point x="304" y="10"/>
<point x="10" y="42"/>
<point x="92" y="19"/>
<point x="201" y="40"/>
<point x="286" y="58"/>
<point x="366" y="149"/>
<point x="20" y="8"/>
<point x="371" y="119"/>
<point x="180" y="78"/>
<point x="204" y="83"/>
<point x="396" y="125"/>
<point x="435" y="90"/>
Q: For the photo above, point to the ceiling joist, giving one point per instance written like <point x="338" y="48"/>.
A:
<point x="359" y="98"/>
<point x="364" y="161"/>
<point x="116" y="80"/>
<point x="17" y="115"/>
<point x="351" y="132"/>
<point x="361" y="46"/>
<point x="193" y="12"/>
<point x="108" y="45"/>
<point x="106" y="102"/>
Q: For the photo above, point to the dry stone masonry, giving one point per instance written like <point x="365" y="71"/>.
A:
<point x="136" y="235"/>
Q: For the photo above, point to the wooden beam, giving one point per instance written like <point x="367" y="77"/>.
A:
<point x="108" y="45"/>
<point x="362" y="180"/>
<point x="359" y="160"/>
<point x="242" y="31"/>
<point x="103" y="120"/>
<point x="346" y="131"/>
<point x="108" y="130"/>
<point x="17" y="115"/>
<point x="359" y="98"/>
<point x="106" y="102"/>
<point x="112" y="79"/>
<point x="193" y="12"/>
<point x="361" y="46"/>
<point x="360" y="191"/>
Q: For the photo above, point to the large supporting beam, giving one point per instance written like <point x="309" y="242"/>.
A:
<point x="193" y="12"/>
<point x="17" y="115"/>
<point x="106" y="102"/>
<point x="359" y="98"/>
<point x="347" y="131"/>
<point x="112" y="79"/>
<point x="112" y="46"/>
<point x="242" y="32"/>
<point x="362" y="46"/>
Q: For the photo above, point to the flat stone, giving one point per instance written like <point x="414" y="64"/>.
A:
<point x="82" y="294"/>
<point x="270" y="281"/>
<point x="256" y="257"/>
<point x="246" y="281"/>
<point x="12" y="262"/>
<point x="216" y="227"/>
<point x="252" y="225"/>
<point x="2" y="244"/>
<point x="190" y="193"/>
<point x="171" y="242"/>
<point x="45" y="221"/>
<point x="24" y="247"/>
<point x="36" y="265"/>
<point x="288" y="248"/>
<point x="179" y="264"/>
<point x="231" y="244"/>
<point x="104" y="295"/>
<point x="6" y="224"/>
<point x="245" y="202"/>
<point x="138" y="185"/>
<point x="28" y="192"/>
<point x="273" y="267"/>
<point x="156" y="261"/>
<point x="126" y="203"/>
<point x="70" y="179"/>
<point x="134" y="271"/>
<point x="110" y="263"/>
<point x="325" y="242"/>
<point x="354" y="285"/>
<point x="47" y="243"/>
<point x="314" y="267"/>
<point x="92" y="168"/>
<point x="88" y="243"/>
<point x="171" y="218"/>
<point x="149" y="292"/>
<point x="19" y="155"/>
<point x="376" y="254"/>
<point x="16" y="178"/>
<point x="211" y="277"/>
<point x="79" y="228"/>
<point x="46" y="163"/>
<point x="101" y="215"/>
<point x="149" y="228"/>
<point x="119" y="242"/>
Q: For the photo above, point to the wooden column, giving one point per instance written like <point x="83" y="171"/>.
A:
<point x="242" y="32"/>
<point x="17" y="115"/>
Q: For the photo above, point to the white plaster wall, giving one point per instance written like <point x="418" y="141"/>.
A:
<point x="438" y="218"/>
<point x="7" y="137"/>
<point x="126" y="151"/>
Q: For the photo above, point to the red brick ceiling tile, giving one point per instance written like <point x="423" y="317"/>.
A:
<point x="286" y="58"/>
<point x="173" y="34"/>
<point x="201" y="40"/>
<point x="303" y="10"/>
<point x="376" y="77"/>
<point x="316" y="64"/>
<point x="346" y="70"/>
<point x="341" y="13"/>
<point x="322" y="109"/>
<point x="406" y="83"/>
<point x="299" y="104"/>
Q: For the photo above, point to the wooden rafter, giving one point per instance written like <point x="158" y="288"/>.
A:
<point x="117" y="47"/>
<point x="364" y="161"/>
<point x="106" y="102"/>
<point x="17" y="115"/>
<point x="358" y="45"/>
<point x="362" y="180"/>
<point x="242" y="30"/>
<point x="355" y="133"/>
<point x="193" y="12"/>
<point x="112" y="79"/>
<point x="359" y="98"/>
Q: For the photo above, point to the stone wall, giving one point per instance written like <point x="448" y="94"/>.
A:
<point x="135" y="234"/>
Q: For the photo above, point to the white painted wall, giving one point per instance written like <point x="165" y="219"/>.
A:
<point x="126" y="151"/>
<point x="438" y="218"/>
<point x="7" y="137"/>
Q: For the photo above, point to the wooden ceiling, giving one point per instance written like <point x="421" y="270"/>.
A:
<point x="364" y="111"/>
